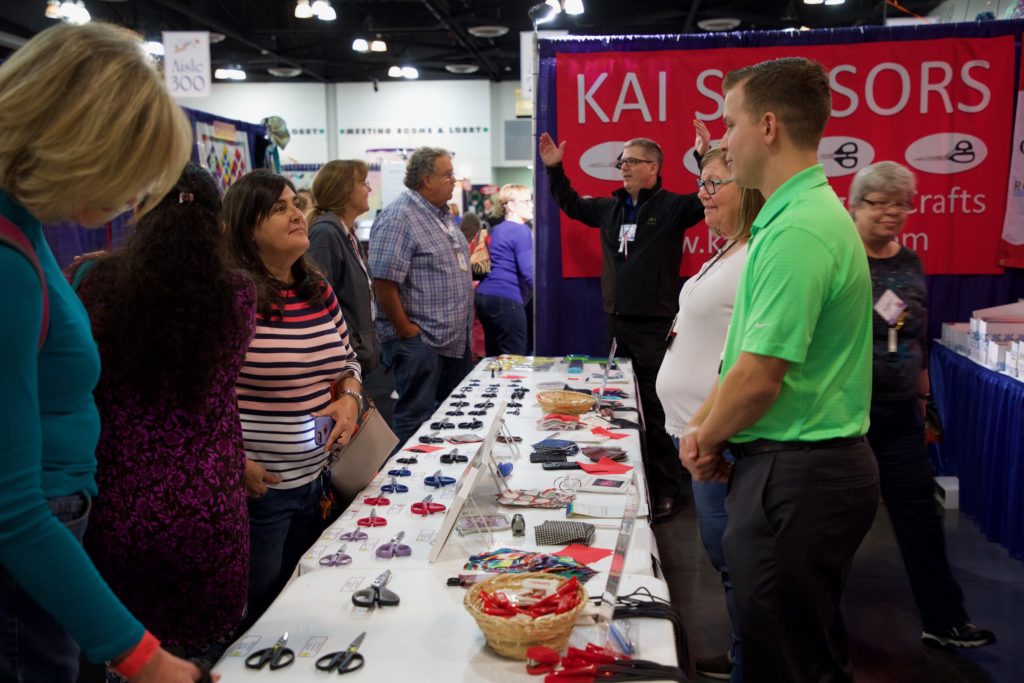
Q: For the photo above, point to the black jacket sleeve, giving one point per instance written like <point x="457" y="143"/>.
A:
<point x="686" y="210"/>
<point x="587" y="211"/>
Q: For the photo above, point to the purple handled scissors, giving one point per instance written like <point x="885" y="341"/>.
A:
<point x="338" y="559"/>
<point x="394" y="548"/>
<point x="356" y="534"/>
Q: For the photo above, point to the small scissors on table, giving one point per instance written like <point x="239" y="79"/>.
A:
<point x="437" y="480"/>
<point x="346" y="661"/>
<point x="394" y="548"/>
<point x="372" y="521"/>
<point x="338" y="559"/>
<point x="407" y="461"/>
<point x="400" y="472"/>
<point x="376" y="594"/>
<point x="278" y="656"/>
<point x="427" y="506"/>
<point x="379" y="499"/>
<point x="394" y="487"/>
<point x="356" y="534"/>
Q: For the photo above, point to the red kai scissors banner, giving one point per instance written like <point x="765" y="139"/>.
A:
<point x="942" y="108"/>
<point x="1011" y="249"/>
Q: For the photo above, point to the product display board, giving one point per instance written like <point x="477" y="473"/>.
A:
<point x="396" y="522"/>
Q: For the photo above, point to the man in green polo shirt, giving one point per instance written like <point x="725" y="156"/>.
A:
<point x="793" y="401"/>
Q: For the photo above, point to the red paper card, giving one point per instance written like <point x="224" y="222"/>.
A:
<point x="583" y="554"/>
<point x="601" y="431"/>
<point x="423" y="448"/>
<point x="605" y="466"/>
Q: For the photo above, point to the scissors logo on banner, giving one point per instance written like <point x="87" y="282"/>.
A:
<point x="843" y="155"/>
<point x="946" y="153"/>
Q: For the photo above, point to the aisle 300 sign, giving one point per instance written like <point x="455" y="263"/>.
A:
<point x="187" y="63"/>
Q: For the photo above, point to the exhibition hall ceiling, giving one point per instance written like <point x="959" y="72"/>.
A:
<point x="441" y="39"/>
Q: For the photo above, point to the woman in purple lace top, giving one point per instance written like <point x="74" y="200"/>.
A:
<point x="169" y="530"/>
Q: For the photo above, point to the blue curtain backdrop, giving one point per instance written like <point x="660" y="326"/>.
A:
<point x="68" y="240"/>
<point x="569" y="315"/>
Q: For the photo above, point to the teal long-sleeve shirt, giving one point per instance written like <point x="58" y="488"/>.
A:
<point x="49" y="427"/>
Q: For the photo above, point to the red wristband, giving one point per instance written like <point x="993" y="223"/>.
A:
<point x="139" y="656"/>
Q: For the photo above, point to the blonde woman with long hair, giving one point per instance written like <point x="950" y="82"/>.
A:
<point x="89" y="131"/>
<point x="501" y="296"/>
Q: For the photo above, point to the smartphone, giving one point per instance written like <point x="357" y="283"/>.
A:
<point x="322" y="427"/>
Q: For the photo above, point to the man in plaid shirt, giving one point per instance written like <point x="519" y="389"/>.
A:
<point x="420" y="265"/>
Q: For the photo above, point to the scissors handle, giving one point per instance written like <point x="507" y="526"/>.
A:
<point x="344" y="662"/>
<point x="277" y="660"/>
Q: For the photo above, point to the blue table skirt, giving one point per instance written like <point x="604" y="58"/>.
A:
<point x="982" y="414"/>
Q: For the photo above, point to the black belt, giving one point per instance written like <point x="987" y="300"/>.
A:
<point x="762" y="446"/>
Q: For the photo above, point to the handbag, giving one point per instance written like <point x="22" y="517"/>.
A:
<point x="480" y="254"/>
<point x="354" y="466"/>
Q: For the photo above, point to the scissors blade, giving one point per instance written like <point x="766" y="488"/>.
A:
<point x="282" y="641"/>
<point x="357" y="642"/>
<point x="383" y="579"/>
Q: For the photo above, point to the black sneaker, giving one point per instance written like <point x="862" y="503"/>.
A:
<point x="965" y="635"/>
<point x="719" y="668"/>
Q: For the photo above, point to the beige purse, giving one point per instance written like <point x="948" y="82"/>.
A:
<point x="357" y="464"/>
<point x="480" y="257"/>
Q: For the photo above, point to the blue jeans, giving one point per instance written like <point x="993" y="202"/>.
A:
<point x="504" y="322"/>
<point x="423" y="378"/>
<point x="35" y="647"/>
<point x="283" y="525"/>
<point x="709" y="501"/>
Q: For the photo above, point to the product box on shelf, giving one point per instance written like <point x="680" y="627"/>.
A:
<point x="995" y="355"/>
<point x="1012" y="355"/>
<point x="955" y="337"/>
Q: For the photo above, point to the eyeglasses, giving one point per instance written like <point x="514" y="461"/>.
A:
<point x="630" y="161"/>
<point x="366" y="184"/>
<point x="450" y="175"/>
<point x="711" y="185"/>
<point x="886" y="205"/>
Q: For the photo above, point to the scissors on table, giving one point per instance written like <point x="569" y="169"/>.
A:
<point x="454" y="457"/>
<point x="427" y="506"/>
<point x="346" y="661"/>
<point x="376" y="594"/>
<point x="356" y="534"/>
<point x="394" y="487"/>
<point x="431" y="438"/>
<point x="379" y="499"/>
<point x="278" y="656"/>
<point x="400" y="472"/>
<point x="373" y="520"/>
<point x="437" y="480"/>
<point x="394" y="548"/>
<point x="407" y="461"/>
<point x="338" y="559"/>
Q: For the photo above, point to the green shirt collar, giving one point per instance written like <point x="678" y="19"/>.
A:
<point x="809" y="178"/>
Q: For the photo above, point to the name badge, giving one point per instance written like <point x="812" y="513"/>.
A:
<point x="889" y="306"/>
<point x="463" y="266"/>
<point x="627" y="233"/>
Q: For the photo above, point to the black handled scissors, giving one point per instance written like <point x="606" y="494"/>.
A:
<point x="278" y="656"/>
<point x="845" y="154"/>
<point x="376" y="594"/>
<point x="346" y="661"/>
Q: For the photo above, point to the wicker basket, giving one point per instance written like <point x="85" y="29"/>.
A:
<point x="565" y="402"/>
<point x="513" y="636"/>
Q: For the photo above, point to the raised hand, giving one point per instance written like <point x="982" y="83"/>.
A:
<point x="550" y="153"/>
<point x="703" y="139"/>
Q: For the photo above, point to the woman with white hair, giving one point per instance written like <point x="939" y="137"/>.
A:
<point x="881" y="196"/>
<point x="89" y="131"/>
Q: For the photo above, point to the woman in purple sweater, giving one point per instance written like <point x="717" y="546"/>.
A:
<point x="501" y="296"/>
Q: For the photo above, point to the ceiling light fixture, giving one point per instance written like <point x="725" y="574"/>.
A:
<point x="487" y="31"/>
<point x="573" y="7"/>
<point x="461" y="68"/>
<point x="284" y="71"/>
<point x="395" y="72"/>
<point x="410" y="72"/>
<point x="814" y="2"/>
<point x="378" y="44"/>
<point x="231" y="73"/>
<point x="360" y="45"/>
<point x="323" y="10"/>
<point x="74" y="12"/>
<point x="154" y="48"/>
<point x="52" y="9"/>
<point x="303" y="10"/>
<point x="835" y="2"/>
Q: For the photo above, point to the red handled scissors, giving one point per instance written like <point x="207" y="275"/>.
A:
<point x="373" y="520"/>
<point x="379" y="499"/>
<point x="427" y="506"/>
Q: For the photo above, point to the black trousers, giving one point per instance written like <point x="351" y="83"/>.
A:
<point x="796" y="518"/>
<point x="908" y="489"/>
<point x="642" y="340"/>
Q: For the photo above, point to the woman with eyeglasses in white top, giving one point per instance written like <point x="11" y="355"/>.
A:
<point x="690" y="368"/>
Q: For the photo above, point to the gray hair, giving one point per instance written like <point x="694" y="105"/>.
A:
<point x="421" y="165"/>
<point x="649" y="146"/>
<point x="884" y="176"/>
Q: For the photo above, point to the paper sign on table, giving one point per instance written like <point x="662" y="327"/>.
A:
<point x="605" y="466"/>
<point x="601" y="431"/>
<point x="583" y="554"/>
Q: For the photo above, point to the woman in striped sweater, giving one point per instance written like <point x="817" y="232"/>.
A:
<point x="300" y="366"/>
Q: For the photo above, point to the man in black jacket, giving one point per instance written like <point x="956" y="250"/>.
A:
<point x="641" y="228"/>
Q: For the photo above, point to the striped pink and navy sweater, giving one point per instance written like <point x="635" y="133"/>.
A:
<point x="288" y="372"/>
